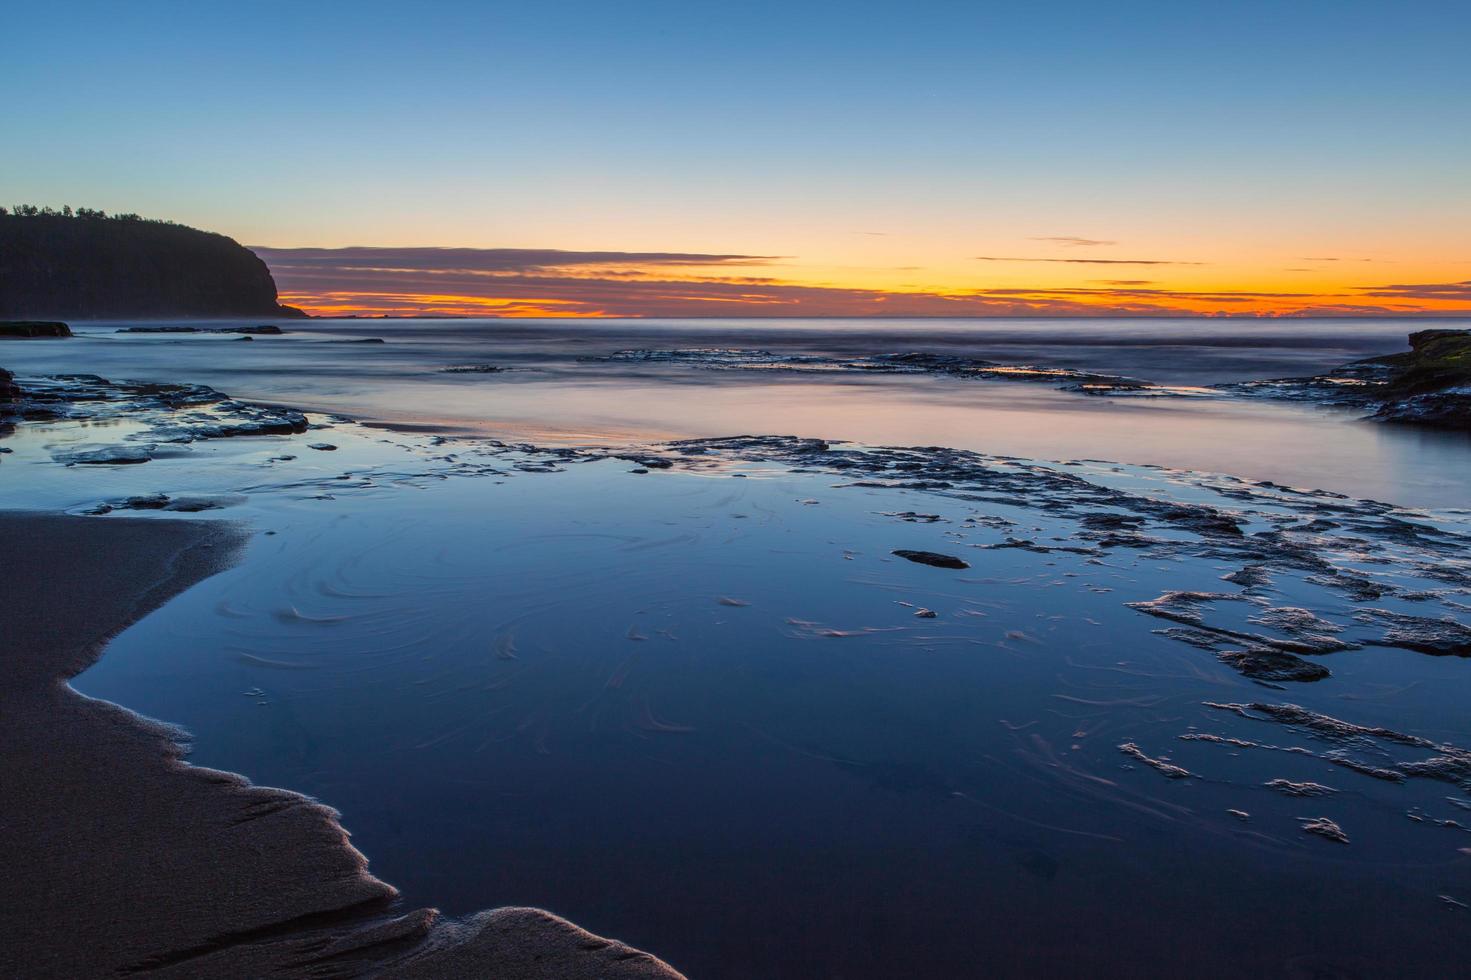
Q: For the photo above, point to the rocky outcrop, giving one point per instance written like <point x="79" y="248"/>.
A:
<point x="31" y="329"/>
<point x="93" y="266"/>
<point x="1430" y="384"/>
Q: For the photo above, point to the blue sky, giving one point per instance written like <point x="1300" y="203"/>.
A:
<point x="808" y="130"/>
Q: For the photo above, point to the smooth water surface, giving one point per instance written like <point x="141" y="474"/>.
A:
<point x="700" y="709"/>
<point x="559" y="389"/>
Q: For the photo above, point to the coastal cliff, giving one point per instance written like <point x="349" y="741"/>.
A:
<point x="85" y="264"/>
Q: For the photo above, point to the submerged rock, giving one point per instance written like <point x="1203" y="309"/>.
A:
<point x="647" y="461"/>
<point x="1250" y="577"/>
<point x="1290" y="788"/>
<point x="907" y="362"/>
<point x="1324" y="827"/>
<point x="471" y="369"/>
<point x="1158" y="765"/>
<point x="1443" y="637"/>
<point x="117" y="455"/>
<point x="1264" y="664"/>
<point x="931" y="558"/>
<point x="269" y="330"/>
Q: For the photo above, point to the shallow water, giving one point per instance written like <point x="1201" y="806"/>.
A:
<point x="557" y="390"/>
<point x="695" y="708"/>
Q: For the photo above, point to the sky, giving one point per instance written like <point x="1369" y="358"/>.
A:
<point x="796" y="158"/>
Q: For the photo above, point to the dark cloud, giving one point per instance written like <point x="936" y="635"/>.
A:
<point x="484" y="259"/>
<point x="1014" y="258"/>
<point x="1425" y="290"/>
<point x="1216" y="296"/>
<point x="1072" y="240"/>
<point x="369" y="290"/>
<point x="544" y="282"/>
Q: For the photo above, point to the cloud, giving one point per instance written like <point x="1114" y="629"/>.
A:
<point x="1013" y="258"/>
<point x="1428" y="290"/>
<point x="1072" y="241"/>
<point x="483" y="259"/>
<point x="553" y="282"/>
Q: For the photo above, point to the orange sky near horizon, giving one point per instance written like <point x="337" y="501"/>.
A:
<point x="1067" y="279"/>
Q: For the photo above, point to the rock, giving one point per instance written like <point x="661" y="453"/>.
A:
<point x="471" y="369"/>
<point x="909" y="362"/>
<point x="651" y="462"/>
<point x="1448" y="409"/>
<point x="324" y="447"/>
<point x="156" y="501"/>
<point x="1160" y="766"/>
<point x="931" y="558"/>
<point x="923" y="613"/>
<point x="1290" y="788"/>
<point x="1324" y="827"/>
<point x="1439" y="637"/>
<point x="108" y="455"/>
<point x="30" y="329"/>
<point x="1264" y="664"/>
<point x="1250" y="577"/>
<point x="194" y="505"/>
<point x="271" y="331"/>
<point x="1430" y="384"/>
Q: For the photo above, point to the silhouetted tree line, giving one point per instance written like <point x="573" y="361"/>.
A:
<point x="67" y="211"/>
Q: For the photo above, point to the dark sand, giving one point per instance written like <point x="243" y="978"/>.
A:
<point x="117" y="857"/>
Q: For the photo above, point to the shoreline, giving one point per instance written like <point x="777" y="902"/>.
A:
<point x="124" y="858"/>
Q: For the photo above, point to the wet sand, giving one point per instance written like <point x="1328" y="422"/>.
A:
<point x="121" y="858"/>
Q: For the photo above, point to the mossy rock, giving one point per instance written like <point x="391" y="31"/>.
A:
<point x="1436" y="360"/>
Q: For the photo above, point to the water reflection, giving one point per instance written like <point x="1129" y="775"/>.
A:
<point x="554" y="393"/>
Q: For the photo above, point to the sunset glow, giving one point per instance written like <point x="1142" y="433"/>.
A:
<point x="450" y="282"/>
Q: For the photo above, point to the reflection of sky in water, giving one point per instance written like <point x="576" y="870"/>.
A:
<point x="552" y="395"/>
<point x="698" y="712"/>
<point x="526" y="688"/>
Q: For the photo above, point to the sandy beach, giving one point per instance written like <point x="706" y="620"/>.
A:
<point x="121" y="858"/>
